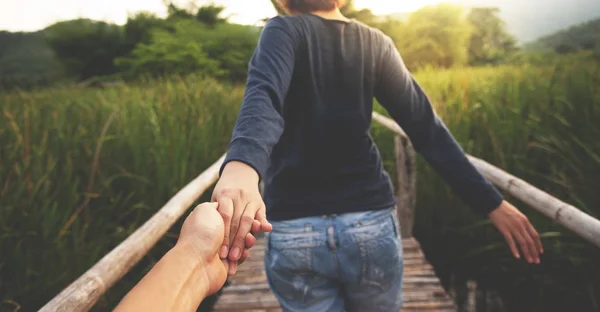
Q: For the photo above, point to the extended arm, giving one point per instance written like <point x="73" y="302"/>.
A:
<point x="408" y="105"/>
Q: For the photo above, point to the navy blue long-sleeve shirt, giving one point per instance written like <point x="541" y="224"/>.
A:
<point x="304" y="122"/>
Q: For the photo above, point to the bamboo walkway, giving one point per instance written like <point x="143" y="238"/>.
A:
<point x="248" y="290"/>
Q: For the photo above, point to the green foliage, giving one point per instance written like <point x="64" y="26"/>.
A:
<point x="584" y="36"/>
<point x="210" y="15"/>
<point x="26" y="61"/>
<point x="432" y="36"/>
<point x="86" y="48"/>
<point x="161" y="134"/>
<point x="221" y="51"/>
<point x="139" y="26"/>
<point x="538" y="122"/>
<point x="490" y="43"/>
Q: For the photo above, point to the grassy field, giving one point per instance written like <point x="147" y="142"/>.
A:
<point x="80" y="169"/>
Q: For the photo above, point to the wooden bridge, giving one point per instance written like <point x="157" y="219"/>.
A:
<point x="248" y="290"/>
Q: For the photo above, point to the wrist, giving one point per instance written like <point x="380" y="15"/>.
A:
<point x="241" y="170"/>
<point x="187" y="255"/>
<point x="502" y="204"/>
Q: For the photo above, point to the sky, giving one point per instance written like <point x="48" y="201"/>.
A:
<point x="31" y="15"/>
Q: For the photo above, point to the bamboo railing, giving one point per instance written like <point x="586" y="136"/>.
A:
<point x="562" y="213"/>
<point x="84" y="292"/>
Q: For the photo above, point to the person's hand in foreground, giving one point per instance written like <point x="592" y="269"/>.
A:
<point x="190" y="271"/>
<point x="241" y="207"/>
<point x="516" y="228"/>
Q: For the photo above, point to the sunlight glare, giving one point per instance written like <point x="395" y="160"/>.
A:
<point x="382" y="7"/>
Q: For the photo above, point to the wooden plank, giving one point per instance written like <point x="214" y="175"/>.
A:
<point x="562" y="213"/>
<point x="249" y="291"/>
<point x="84" y="292"/>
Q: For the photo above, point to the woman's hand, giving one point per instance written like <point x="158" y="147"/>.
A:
<point x="242" y="208"/>
<point x="515" y="226"/>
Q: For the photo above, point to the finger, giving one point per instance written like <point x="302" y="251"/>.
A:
<point x="536" y="238"/>
<point x="226" y="211"/>
<point x="238" y="209"/>
<point x="511" y="244"/>
<point x="246" y="221"/>
<point x="245" y="256"/>
<point x="261" y="216"/>
<point x="250" y="241"/>
<point x="232" y="268"/>
<point x="255" y="227"/>
<point x="533" y="250"/>
<point x="522" y="244"/>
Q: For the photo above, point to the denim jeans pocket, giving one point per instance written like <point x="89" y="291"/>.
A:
<point x="381" y="257"/>
<point x="288" y="265"/>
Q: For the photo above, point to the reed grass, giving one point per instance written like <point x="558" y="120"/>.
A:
<point x="80" y="169"/>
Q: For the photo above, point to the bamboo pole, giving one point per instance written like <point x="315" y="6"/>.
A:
<point x="84" y="292"/>
<point x="562" y="213"/>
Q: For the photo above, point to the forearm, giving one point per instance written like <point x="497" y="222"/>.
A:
<point x="448" y="159"/>
<point x="178" y="282"/>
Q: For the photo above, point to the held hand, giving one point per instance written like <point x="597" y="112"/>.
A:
<point x="242" y="210"/>
<point x="202" y="235"/>
<point x="514" y="225"/>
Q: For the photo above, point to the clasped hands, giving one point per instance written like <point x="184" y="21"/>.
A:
<point x="222" y="232"/>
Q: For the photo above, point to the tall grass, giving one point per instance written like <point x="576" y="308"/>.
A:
<point x="80" y="169"/>
<point x="541" y="124"/>
<point x="69" y="192"/>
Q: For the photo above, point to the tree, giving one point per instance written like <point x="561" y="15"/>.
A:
<point x="210" y="15"/>
<point x="139" y="26"/>
<point x="436" y="35"/>
<point x="86" y="48"/>
<point x="222" y="51"/>
<point x="490" y="42"/>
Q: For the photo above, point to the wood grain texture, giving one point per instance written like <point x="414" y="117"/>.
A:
<point x="249" y="291"/>
<point x="407" y="185"/>
<point x="562" y="213"/>
<point x="84" y="292"/>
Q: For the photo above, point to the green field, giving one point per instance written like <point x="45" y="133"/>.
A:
<point x="80" y="169"/>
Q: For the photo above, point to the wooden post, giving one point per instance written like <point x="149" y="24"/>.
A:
<point x="407" y="189"/>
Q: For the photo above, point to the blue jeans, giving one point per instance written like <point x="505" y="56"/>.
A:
<point x="348" y="262"/>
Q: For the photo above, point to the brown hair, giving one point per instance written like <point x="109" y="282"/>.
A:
<point x="307" y="6"/>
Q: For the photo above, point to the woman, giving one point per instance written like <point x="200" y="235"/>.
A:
<point x="303" y="129"/>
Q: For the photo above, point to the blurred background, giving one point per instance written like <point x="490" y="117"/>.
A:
<point x="107" y="108"/>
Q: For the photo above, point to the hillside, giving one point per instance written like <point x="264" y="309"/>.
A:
<point x="583" y="36"/>
<point x="531" y="19"/>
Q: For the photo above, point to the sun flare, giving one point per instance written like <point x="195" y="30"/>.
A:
<point x="382" y="7"/>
